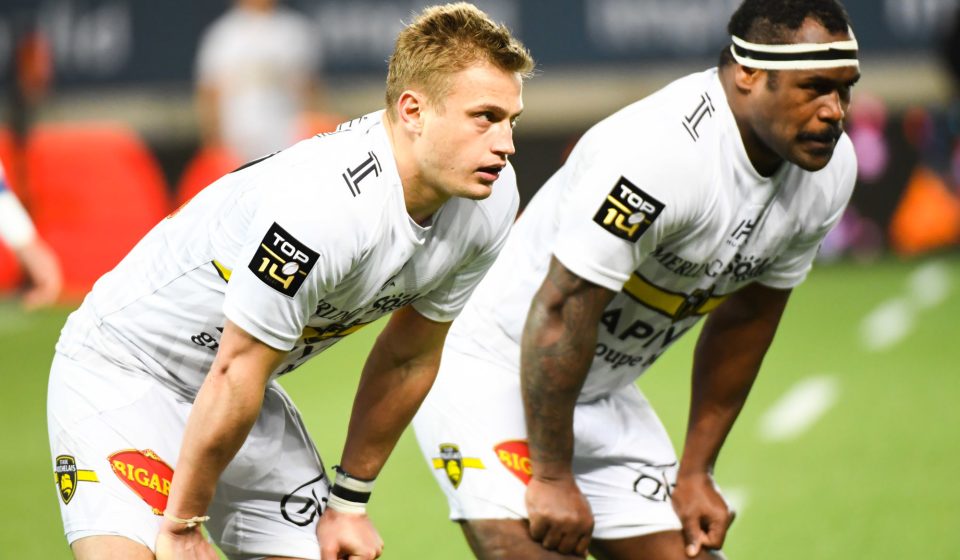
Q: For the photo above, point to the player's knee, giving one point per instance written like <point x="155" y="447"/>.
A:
<point x="666" y="545"/>
<point x="492" y="539"/>
<point x="505" y="539"/>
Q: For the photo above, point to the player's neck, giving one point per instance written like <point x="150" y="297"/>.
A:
<point x="765" y="161"/>
<point x="421" y="200"/>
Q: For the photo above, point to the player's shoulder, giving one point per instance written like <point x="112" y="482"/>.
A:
<point x="354" y="162"/>
<point x="675" y="128"/>
<point x="663" y="148"/>
<point x="344" y="179"/>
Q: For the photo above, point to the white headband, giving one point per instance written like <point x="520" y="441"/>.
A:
<point x="798" y="56"/>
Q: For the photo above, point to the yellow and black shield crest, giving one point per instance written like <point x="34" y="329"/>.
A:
<point x="452" y="463"/>
<point x="65" y="474"/>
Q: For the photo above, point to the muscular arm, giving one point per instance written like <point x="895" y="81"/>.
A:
<point x="396" y="378"/>
<point x="223" y="413"/>
<point x="557" y="348"/>
<point x="727" y="358"/>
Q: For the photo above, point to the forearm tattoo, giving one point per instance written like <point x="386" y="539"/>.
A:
<point x="557" y="350"/>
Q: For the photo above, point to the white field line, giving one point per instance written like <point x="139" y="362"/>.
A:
<point x="930" y="285"/>
<point x="799" y="408"/>
<point x="887" y="325"/>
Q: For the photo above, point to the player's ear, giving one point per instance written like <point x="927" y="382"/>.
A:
<point x="745" y="77"/>
<point x="410" y="107"/>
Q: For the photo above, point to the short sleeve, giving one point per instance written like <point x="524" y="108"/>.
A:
<point x="288" y="262"/>
<point x="791" y="267"/>
<point x="616" y="211"/>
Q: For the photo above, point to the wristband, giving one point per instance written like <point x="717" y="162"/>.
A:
<point x="190" y="523"/>
<point x="349" y="494"/>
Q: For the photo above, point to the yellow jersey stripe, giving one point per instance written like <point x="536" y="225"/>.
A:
<point x="468" y="462"/>
<point x="663" y="301"/>
<point x="223" y="271"/>
<point x="87" y="476"/>
<point x="314" y="335"/>
<point x="710" y="304"/>
<point x="652" y="296"/>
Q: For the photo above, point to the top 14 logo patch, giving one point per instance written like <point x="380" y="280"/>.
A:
<point x="282" y="262"/>
<point x="628" y="212"/>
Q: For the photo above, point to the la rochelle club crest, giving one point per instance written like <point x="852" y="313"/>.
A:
<point x="67" y="476"/>
<point x="453" y="463"/>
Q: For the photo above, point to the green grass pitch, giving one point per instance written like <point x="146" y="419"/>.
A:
<point x="875" y="476"/>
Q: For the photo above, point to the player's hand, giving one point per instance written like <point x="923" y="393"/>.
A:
<point x="176" y="542"/>
<point x="560" y="516"/>
<point x="42" y="272"/>
<point x="348" y="536"/>
<point x="703" y="512"/>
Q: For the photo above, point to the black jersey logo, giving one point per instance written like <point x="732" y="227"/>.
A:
<point x="692" y="121"/>
<point x="627" y="211"/>
<point x="282" y="262"/>
<point x="353" y="176"/>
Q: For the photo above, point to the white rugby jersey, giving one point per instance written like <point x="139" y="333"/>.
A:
<point x="660" y="203"/>
<point x="299" y="249"/>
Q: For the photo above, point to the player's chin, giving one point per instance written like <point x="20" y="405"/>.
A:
<point x="814" y="158"/>
<point x="477" y="190"/>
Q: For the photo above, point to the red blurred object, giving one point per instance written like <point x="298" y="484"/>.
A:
<point x="95" y="190"/>
<point x="207" y="165"/>
<point x="928" y="216"/>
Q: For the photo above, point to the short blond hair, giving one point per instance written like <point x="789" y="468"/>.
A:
<point x="444" y="40"/>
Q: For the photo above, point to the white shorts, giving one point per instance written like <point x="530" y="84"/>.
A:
<point x="115" y="438"/>
<point x="472" y="433"/>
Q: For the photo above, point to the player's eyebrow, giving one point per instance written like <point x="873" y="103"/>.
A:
<point x="497" y="111"/>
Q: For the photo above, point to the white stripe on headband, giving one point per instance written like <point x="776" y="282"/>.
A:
<point x="798" y="56"/>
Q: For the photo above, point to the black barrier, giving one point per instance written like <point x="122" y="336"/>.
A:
<point x="117" y="42"/>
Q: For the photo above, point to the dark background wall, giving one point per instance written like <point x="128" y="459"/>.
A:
<point x="133" y="60"/>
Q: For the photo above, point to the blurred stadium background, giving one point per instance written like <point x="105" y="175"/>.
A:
<point x="848" y="447"/>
